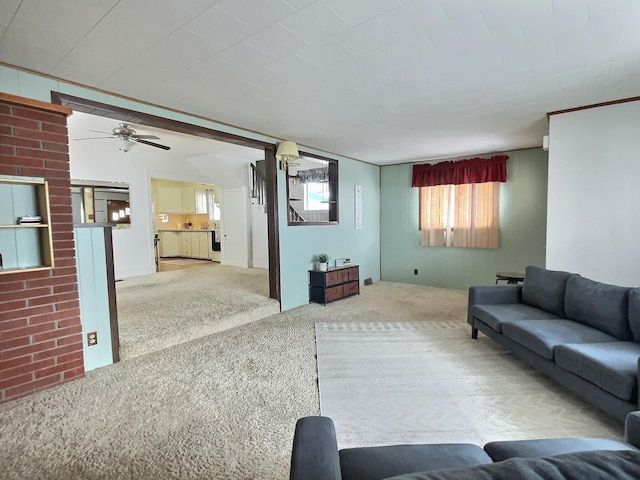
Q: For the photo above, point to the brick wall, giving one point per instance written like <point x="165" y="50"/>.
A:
<point x="40" y="329"/>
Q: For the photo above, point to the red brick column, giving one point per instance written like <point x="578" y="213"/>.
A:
<point x="40" y="328"/>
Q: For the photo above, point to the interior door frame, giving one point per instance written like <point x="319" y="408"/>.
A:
<point x="111" y="111"/>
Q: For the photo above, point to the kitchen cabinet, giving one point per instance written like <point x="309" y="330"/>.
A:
<point x="25" y="245"/>
<point x="181" y="200"/>
<point x="204" y="241"/>
<point x="169" y="200"/>
<point x="170" y="245"/>
<point x="185" y="240"/>
<point x="188" y="243"/>
<point x="196" y="244"/>
<point x="188" y="199"/>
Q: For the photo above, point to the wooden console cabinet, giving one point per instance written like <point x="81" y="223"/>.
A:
<point x="333" y="284"/>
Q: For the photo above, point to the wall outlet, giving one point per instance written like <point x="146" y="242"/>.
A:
<point x="415" y="271"/>
<point x="92" y="338"/>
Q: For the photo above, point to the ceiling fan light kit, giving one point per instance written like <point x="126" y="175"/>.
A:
<point x="125" y="144"/>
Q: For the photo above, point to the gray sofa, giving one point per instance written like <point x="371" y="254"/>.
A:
<point x="315" y="456"/>
<point x="583" y="334"/>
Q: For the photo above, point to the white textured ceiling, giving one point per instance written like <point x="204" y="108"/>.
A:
<point x="383" y="81"/>
<point x="85" y="140"/>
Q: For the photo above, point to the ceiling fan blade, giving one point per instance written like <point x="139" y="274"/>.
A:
<point x="147" y="137"/>
<point x="98" y="131"/>
<point x="91" y="138"/>
<point x="157" y="145"/>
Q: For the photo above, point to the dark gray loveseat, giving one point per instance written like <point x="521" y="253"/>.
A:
<point x="583" y="334"/>
<point x="315" y="456"/>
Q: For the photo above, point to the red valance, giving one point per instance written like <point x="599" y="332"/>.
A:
<point x="474" y="170"/>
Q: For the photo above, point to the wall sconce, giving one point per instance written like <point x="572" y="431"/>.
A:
<point x="287" y="152"/>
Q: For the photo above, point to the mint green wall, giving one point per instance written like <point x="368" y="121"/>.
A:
<point x="30" y="85"/>
<point x="522" y="229"/>
<point x="298" y="244"/>
<point x="93" y="289"/>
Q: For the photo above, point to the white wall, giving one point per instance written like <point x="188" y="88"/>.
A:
<point x="132" y="247"/>
<point x="259" y="237"/>
<point x="593" y="225"/>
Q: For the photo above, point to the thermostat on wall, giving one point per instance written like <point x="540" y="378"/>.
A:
<point x="342" y="262"/>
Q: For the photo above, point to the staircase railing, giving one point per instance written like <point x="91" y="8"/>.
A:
<point x="259" y="192"/>
<point x="295" y="215"/>
<point x="258" y="185"/>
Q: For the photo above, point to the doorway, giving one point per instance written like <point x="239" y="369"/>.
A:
<point x="187" y="224"/>
<point x="110" y="111"/>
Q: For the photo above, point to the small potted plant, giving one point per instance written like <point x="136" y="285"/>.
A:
<point x="323" y="262"/>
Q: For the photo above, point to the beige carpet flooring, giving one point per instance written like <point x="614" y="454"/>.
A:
<point x="171" y="264"/>
<point x="167" y="308"/>
<point x="222" y="406"/>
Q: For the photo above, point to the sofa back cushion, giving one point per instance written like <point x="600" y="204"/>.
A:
<point x="621" y="465"/>
<point x="634" y="313"/>
<point x="599" y="305"/>
<point x="545" y="289"/>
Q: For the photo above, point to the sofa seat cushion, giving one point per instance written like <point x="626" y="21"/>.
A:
<point x="545" y="289"/>
<point x="550" y="446"/>
<point x="543" y="336"/>
<point x="371" y="463"/>
<point x="634" y="313"/>
<point x="599" y="305"/>
<point x="600" y="465"/>
<point x="611" y="366"/>
<point x="494" y="315"/>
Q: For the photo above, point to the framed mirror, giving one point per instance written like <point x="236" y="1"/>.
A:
<point x="312" y="191"/>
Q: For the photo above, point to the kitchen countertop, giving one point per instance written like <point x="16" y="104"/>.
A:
<point x="186" y="230"/>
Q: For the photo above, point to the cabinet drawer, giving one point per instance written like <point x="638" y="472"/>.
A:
<point x="343" y="276"/>
<point x="354" y="273"/>
<point x="331" y="278"/>
<point x="351" y="288"/>
<point x="334" y="293"/>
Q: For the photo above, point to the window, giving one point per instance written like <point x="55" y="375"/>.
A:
<point x="316" y="196"/>
<point x="214" y="207"/>
<point x="459" y="201"/>
<point x="460" y="215"/>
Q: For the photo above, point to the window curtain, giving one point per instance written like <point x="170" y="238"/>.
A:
<point x="435" y="219"/>
<point x="475" y="215"/>
<point x="465" y="216"/>
<point x="474" y="170"/>
<point x="460" y="213"/>
<point x="313" y="175"/>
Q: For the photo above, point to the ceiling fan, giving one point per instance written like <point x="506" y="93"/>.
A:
<point x="127" y="138"/>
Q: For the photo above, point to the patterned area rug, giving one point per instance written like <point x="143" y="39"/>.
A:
<point x="429" y="382"/>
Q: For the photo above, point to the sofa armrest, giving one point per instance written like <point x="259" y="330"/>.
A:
<point x="632" y="428"/>
<point x="314" y="455"/>
<point x="492" y="295"/>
